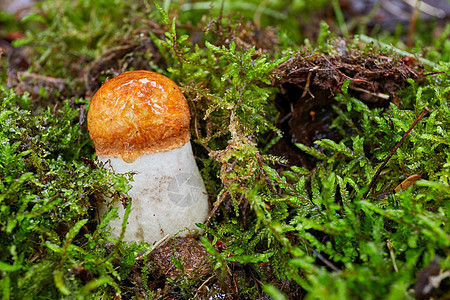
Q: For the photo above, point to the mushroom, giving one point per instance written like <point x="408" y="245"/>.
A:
<point x="139" y="123"/>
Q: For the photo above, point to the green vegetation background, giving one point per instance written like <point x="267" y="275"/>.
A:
<point x="311" y="227"/>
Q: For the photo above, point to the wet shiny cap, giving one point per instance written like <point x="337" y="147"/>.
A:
<point x="138" y="113"/>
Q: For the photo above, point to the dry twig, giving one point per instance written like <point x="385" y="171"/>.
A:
<point x="424" y="112"/>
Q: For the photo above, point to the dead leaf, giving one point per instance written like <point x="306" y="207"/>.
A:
<point x="407" y="183"/>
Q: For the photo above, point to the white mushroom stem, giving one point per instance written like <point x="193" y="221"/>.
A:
<point x="168" y="195"/>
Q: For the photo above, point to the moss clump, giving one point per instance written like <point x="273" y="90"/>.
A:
<point x="50" y="243"/>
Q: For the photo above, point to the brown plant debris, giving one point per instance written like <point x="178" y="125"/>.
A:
<point x="309" y="82"/>
<point x="191" y="254"/>
<point x="370" y="72"/>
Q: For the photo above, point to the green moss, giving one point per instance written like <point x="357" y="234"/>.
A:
<point x="48" y="186"/>
<point x="314" y="228"/>
<point x="358" y="230"/>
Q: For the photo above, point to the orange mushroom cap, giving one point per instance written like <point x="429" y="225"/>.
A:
<point x="138" y="113"/>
